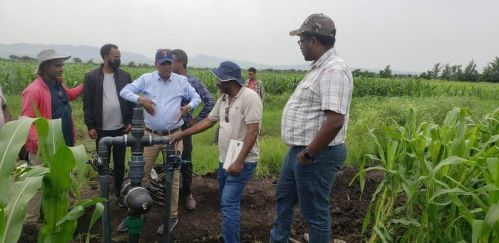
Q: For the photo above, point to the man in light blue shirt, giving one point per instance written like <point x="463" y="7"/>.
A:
<point x="162" y="93"/>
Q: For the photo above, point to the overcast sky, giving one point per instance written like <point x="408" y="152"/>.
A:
<point x="408" y="35"/>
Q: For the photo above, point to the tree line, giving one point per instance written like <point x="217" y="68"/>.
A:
<point x="76" y="60"/>
<point x="443" y="72"/>
<point x="447" y="71"/>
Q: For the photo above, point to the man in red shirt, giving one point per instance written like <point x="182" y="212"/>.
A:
<point x="254" y="83"/>
<point x="48" y="95"/>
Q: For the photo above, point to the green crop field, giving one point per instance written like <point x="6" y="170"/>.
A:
<point x="376" y="104"/>
<point x="434" y="141"/>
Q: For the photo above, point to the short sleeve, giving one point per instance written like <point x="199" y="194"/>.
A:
<point x="215" y="112"/>
<point x="253" y="108"/>
<point x="335" y="89"/>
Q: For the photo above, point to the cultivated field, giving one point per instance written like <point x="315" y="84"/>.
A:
<point x="434" y="144"/>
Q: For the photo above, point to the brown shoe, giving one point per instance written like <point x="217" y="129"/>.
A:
<point x="190" y="203"/>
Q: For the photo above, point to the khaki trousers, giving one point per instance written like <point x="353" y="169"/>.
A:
<point x="150" y="155"/>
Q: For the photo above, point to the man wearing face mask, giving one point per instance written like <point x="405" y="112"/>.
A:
<point x="106" y="113"/>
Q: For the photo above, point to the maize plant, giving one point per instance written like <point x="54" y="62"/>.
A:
<point x="441" y="182"/>
<point x="55" y="178"/>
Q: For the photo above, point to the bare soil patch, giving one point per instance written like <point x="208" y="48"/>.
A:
<point x="348" y="209"/>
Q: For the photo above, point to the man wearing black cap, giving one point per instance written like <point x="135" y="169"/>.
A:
<point x="239" y="111"/>
<point x="314" y="124"/>
<point x="163" y="92"/>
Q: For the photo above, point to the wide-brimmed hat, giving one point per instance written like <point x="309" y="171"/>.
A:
<point x="228" y="71"/>
<point x="47" y="55"/>
<point x="317" y="23"/>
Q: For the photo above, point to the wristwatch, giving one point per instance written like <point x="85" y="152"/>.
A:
<point x="307" y="155"/>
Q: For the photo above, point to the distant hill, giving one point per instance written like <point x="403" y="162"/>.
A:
<point x="90" y="52"/>
<point x="204" y="61"/>
<point x="84" y="52"/>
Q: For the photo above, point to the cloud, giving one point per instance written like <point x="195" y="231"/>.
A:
<point x="408" y="35"/>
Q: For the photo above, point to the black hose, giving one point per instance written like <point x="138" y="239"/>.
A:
<point x="136" y="140"/>
<point x="103" y="170"/>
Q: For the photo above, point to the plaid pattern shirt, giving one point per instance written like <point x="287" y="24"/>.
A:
<point x="327" y="86"/>
<point x="259" y="89"/>
<point x="206" y="97"/>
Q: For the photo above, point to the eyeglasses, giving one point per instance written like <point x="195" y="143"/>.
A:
<point x="301" y="41"/>
<point x="227" y="114"/>
<point x="62" y="96"/>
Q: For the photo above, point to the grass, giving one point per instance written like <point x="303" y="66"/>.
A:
<point x="376" y="104"/>
<point x="366" y="113"/>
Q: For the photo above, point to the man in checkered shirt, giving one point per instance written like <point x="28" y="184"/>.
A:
<point x="314" y="124"/>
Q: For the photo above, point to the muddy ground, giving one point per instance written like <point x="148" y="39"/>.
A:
<point x="257" y="212"/>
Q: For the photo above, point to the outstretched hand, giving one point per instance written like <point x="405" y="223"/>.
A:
<point x="175" y="137"/>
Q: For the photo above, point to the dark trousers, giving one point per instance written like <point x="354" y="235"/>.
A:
<point x="118" y="154"/>
<point x="186" y="168"/>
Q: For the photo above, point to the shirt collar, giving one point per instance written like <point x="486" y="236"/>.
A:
<point x="226" y="96"/>
<point x="51" y="84"/>
<point x="161" y="79"/>
<point x="326" y="56"/>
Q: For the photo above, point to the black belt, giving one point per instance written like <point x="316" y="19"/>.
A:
<point x="163" y="133"/>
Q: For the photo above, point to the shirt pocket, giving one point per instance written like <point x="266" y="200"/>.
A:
<point x="307" y="90"/>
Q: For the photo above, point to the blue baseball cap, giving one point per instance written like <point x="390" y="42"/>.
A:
<point x="163" y="55"/>
<point x="228" y="71"/>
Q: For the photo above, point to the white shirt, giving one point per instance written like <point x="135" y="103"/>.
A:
<point x="111" y="110"/>
<point x="245" y="109"/>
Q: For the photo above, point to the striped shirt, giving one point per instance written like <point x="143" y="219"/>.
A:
<point x="205" y="95"/>
<point x="326" y="87"/>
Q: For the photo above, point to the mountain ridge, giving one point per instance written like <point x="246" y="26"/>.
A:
<point x="86" y="53"/>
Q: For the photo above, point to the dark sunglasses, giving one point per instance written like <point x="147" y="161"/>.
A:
<point x="227" y="114"/>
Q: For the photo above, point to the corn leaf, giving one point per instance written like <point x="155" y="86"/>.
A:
<point x="19" y="195"/>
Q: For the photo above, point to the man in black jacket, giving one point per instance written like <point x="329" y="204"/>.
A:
<point x="106" y="113"/>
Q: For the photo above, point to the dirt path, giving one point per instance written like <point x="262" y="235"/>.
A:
<point x="257" y="212"/>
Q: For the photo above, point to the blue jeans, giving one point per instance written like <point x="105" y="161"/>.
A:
<point x="231" y="190"/>
<point x="310" y="186"/>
